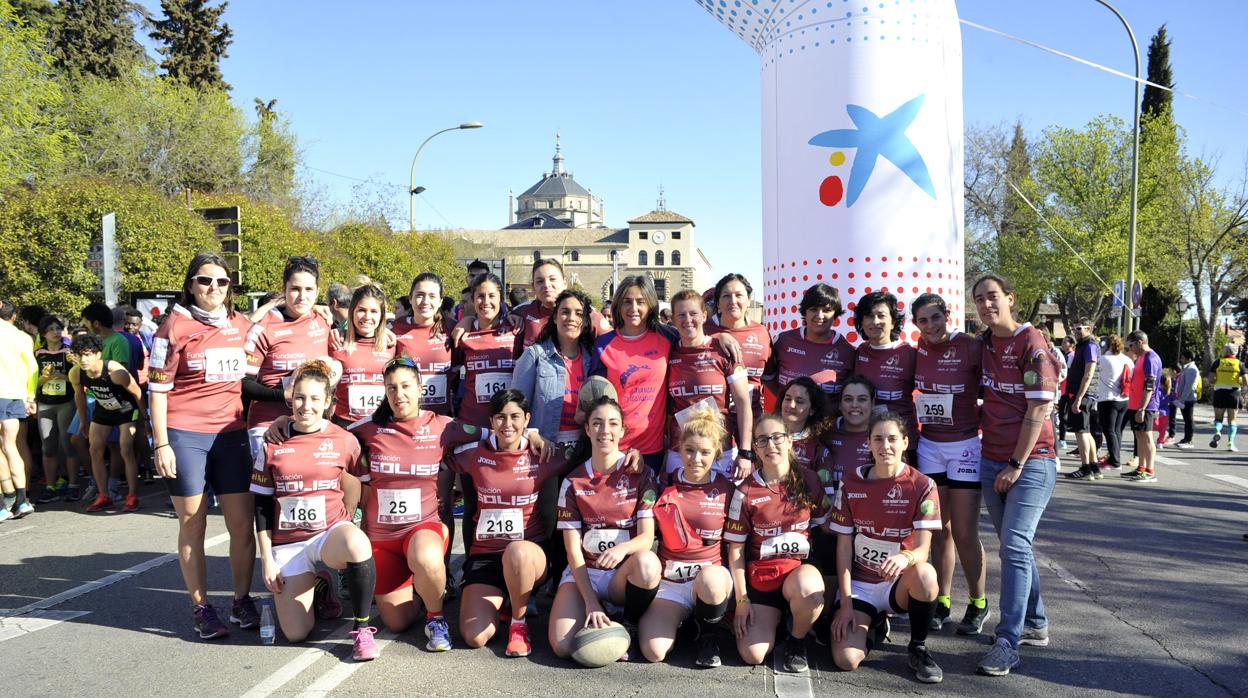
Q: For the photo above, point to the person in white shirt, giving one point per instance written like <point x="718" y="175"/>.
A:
<point x="1113" y="372"/>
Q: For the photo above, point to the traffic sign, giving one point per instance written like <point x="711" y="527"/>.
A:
<point x="1119" y="285"/>
<point x="1137" y="291"/>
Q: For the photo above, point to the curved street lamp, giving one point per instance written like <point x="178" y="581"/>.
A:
<point x="411" y="182"/>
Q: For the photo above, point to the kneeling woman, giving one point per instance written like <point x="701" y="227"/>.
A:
<point x="301" y="519"/>
<point x="690" y="516"/>
<point x="605" y="513"/>
<point x="768" y="534"/>
<point x="885" y="521"/>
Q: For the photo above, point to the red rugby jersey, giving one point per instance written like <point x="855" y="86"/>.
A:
<point x="763" y="518"/>
<point x="508" y="484"/>
<point x="883" y="516"/>
<point x="488" y="357"/>
<point x="1016" y="369"/>
<point x="276" y="346"/>
<point x="947" y="376"/>
<point x="534" y="316"/>
<point x="695" y="374"/>
<point x="361" y="390"/>
<point x="605" y="507"/>
<point x="827" y="363"/>
<point x="433" y="356"/>
<point x="303" y="475"/>
<point x="705" y="509"/>
<point x="200" y="368"/>
<point x="755" y="353"/>
<point x="891" y="370"/>
<point x="847" y="449"/>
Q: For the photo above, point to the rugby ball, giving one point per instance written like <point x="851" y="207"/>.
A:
<point x="598" y="647"/>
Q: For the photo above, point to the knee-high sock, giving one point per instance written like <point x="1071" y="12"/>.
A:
<point x="361" y="579"/>
<point x="636" y="601"/>
<point x="920" y="617"/>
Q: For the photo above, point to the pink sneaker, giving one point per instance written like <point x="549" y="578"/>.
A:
<point x="365" y="648"/>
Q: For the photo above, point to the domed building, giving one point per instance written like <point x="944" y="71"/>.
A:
<point x="556" y="199"/>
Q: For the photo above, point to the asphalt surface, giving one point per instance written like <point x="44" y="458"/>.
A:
<point x="1143" y="582"/>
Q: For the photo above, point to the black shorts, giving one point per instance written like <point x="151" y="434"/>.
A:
<point x="1226" y="398"/>
<point x="110" y="418"/>
<point x="823" y="551"/>
<point x="1146" y="425"/>
<point x="774" y="599"/>
<point x="488" y="569"/>
<point x="1080" y="423"/>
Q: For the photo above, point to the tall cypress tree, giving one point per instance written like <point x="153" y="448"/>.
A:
<point x="194" y="42"/>
<point x="1016" y="217"/>
<point x="96" y="37"/>
<point x="1157" y="101"/>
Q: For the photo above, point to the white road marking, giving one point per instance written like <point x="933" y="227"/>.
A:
<point x="296" y="666"/>
<point x="340" y="672"/>
<point x="1229" y="479"/>
<point x="11" y="531"/>
<point x="11" y="627"/>
<point x="789" y="685"/>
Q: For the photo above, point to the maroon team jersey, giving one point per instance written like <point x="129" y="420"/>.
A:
<point x="534" y="316"/>
<point x="827" y="363"/>
<point x="847" y="449"/>
<point x="947" y="377"/>
<point x="805" y="448"/>
<point x="361" y="390"/>
<point x="488" y="357"/>
<point x="755" y="353"/>
<point x="883" y="515"/>
<point x="1016" y="369"/>
<point x="403" y="460"/>
<point x="432" y="353"/>
<point x="694" y="375"/>
<point x="508" y="484"/>
<point x="605" y="507"/>
<point x="303" y="475"/>
<point x="201" y="369"/>
<point x="704" y="508"/>
<point x="276" y="346"/>
<point x="891" y="370"/>
<point x="765" y="520"/>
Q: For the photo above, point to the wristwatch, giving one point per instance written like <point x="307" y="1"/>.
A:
<point x="745" y="453"/>
<point x="1016" y="464"/>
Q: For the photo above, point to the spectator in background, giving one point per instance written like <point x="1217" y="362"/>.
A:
<point x="517" y="296"/>
<point x="100" y="320"/>
<point x="1080" y="395"/>
<point x="19" y="375"/>
<point x="475" y="268"/>
<point x="339" y="295"/>
<point x="1143" y="404"/>
<point x="1113" y="375"/>
<point x="56" y="411"/>
<point x="1229" y="379"/>
<point x="28" y="319"/>
<point x="1188" y="392"/>
<point x="133" y="324"/>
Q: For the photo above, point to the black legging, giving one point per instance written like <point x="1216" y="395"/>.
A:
<point x="1112" y="414"/>
<point x="1188" y="408"/>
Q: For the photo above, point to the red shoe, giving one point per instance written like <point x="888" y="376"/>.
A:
<point x="518" y="644"/>
<point x="132" y="503"/>
<point x="101" y="503"/>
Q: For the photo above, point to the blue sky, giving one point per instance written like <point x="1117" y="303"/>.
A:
<point x="656" y="92"/>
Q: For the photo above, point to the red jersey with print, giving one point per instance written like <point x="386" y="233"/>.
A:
<point x="488" y="357"/>
<point x="432" y="353"/>
<point x="534" y="316"/>
<point x="891" y="370"/>
<point x="704" y="508"/>
<point x="947" y="376"/>
<point x="303" y="475"/>
<point x="700" y="375"/>
<point x="762" y="517"/>
<point x="847" y="449"/>
<point x="403" y="460"/>
<point x="755" y="353"/>
<point x="361" y="390"/>
<point x="201" y="368"/>
<point x="276" y="346"/>
<point x="574" y="369"/>
<point x="605" y="507"/>
<point x="508" y="484"/>
<point x="827" y="363"/>
<point x="637" y="367"/>
<point x="1017" y="368"/>
<point x="882" y="515"/>
<point x="805" y="448"/>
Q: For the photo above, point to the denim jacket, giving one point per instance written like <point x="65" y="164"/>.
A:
<point x="541" y="376"/>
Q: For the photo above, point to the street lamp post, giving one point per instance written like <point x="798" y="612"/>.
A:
<point x="1131" y="322"/>
<point x="1182" y="307"/>
<point x="411" y="182"/>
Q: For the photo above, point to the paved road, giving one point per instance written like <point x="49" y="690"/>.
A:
<point x="1144" y="583"/>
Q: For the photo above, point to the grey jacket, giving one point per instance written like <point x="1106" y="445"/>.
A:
<point x="541" y="376"/>
<point x="1187" y="382"/>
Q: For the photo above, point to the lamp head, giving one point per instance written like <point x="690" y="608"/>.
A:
<point x="471" y="124"/>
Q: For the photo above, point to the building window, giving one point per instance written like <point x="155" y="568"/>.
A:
<point x="537" y="256"/>
<point x="675" y="236"/>
<point x="676" y="258"/>
<point x="643" y="235"/>
<point x="660" y="288"/>
<point x="658" y="258"/>
<point x="576" y="256"/>
<point x="643" y="259"/>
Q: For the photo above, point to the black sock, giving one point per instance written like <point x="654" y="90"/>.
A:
<point x="19" y="497"/>
<point x="920" y="615"/>
<point x="636" y="601"/>
<point x="361" y="578"/>
<point x="709" y="614"/>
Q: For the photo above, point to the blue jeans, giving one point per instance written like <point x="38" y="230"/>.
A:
<point x="1015" y="516"/>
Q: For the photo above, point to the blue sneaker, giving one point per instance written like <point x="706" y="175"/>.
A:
<point x="439" y="635"/>
<point x="25" y="509"/>
<point x="458" y="508"/>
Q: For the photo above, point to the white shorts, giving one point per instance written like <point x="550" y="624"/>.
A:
<point x="600" y="580"/>
<point x="680" y="593"/>
<point x="726" y="464"/>
<point x="877" y="595"/>
<point x="956" y="460"/>
<point x="302" y="557"/>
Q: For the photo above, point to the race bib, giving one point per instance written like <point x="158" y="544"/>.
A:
<point x="302" y="513"/>
<point x="223" y="365"/>
<point x="490" y="383"/>
<point x="433" y="390"/>
<point x="934" y="408"/>
<point x="111" y="404"/>
<point x="54" y="388"/>
<point x="677" y="571"/>
<point x="500" y="523"/>
<point x="597" y="541"/>
<point x="791" y="544"/>
<point x="398" y="506"/>
<point x="363" y="400"/>
<point x="871" y="553"/>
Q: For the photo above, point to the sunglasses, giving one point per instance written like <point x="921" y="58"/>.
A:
<point x="221" y="281"/>
<point x="404" y="360"/>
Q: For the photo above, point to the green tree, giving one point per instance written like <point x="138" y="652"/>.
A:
<point x="375" y="252"/>
<point x="96" y="37"/>
<point x="39" y="15"/>
<point x="1157" y="101"/>
<point x="193" y="41"/>
<point x="34" y="142"/>
<point x="270" y="174"/>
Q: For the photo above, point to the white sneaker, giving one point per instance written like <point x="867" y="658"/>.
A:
<point x="1230" y="446"/>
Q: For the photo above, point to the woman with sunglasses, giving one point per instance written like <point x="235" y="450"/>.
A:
<point x="199" y="438"/>
<point x="362" y="357"/>
<point x="768" y="535"/>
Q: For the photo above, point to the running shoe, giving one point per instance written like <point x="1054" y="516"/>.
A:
<point x="101" y="503"/>
<point x="1143" y="476"/>
<point x="364" y="647"/>
<point x="23" y="510"/>
<point x="439" y="635"/>
<point x="91" y="491"/>
<point x="1131" y="474"/>
<point x="1213" y="443"/>
<point x="925" y="669"/>
<point x="708" y="650"/>
<point x="518" y="644"/>
<point x="208" y="624"/>
<point x="73" y="493"/>
<point x="795" y="655"/>
<point x="325" y="598"/>
<point x="940" y="616"/>
<point x="5" y="514"/>
<point x="47" y="496"/>
<point x="132" y="503"/>
<point x="1036" y="637"/>
<point x="1083" y="473"/>
<point x="1185" y="445"/>
<point x="1230" y="446"/>
<point x="973" y="620"/>
<point x="243" y="612"/>
<point x="999" y="660"/>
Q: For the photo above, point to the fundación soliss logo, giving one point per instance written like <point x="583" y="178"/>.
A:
<point x="874" y="137"/>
